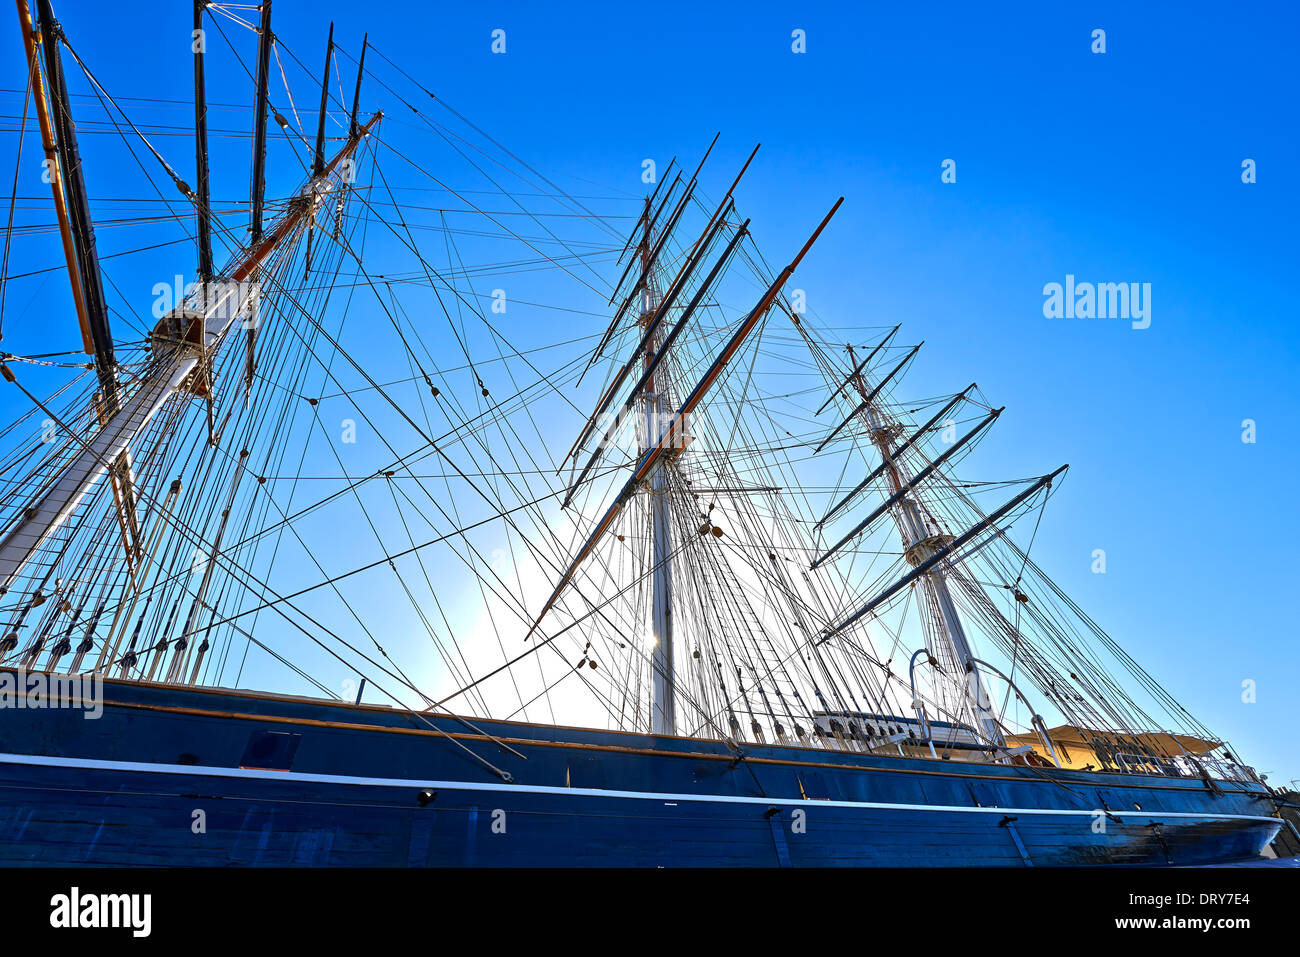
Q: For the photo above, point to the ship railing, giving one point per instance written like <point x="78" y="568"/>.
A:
<point x="1186" y="766"/>
<point x="1226" y="770"/>
<point x="1133" y="763"/>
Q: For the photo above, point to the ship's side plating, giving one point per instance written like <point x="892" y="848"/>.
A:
<point x="192" y="776"/>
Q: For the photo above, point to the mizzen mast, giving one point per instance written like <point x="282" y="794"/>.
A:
<point x="922" y="537"/>
<point x="928" y="548"/>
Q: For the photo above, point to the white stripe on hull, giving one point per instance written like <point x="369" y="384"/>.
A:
<point x="342" y="779"/>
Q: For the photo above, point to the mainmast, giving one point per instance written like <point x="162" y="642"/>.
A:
<point x="663" y="719"/>
<point x="663" y="419"/>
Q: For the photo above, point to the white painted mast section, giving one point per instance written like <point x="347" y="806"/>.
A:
<point x="663" y="703"/>
<point x="44" y="517"/>
<point x="956" y="635"/>
<point x="920" y="542"/>
<point x="165" y="375"/>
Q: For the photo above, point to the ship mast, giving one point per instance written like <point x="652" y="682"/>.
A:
<point x="921" y="541"/>
<point x="663" y="718"/>
<point x="89" y="280"/>
<point x="64" y="165"/>
<point x="926" y="544"/>
<point x="182" y="341"/>
<point x="663" y="423"/>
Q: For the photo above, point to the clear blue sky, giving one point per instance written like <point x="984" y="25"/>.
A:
<point x="1123" y="166"/>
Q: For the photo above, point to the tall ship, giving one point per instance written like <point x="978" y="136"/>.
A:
<point x="565" y="530"/>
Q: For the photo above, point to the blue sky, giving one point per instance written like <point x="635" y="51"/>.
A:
<point x="1122" y="166"/>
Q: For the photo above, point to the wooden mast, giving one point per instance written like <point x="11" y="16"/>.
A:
<point x="258" y="190"/>
<point x="72" y="206"/>
<point x="202" y="206"/>
<point x="164" y="377"/>
<point x="37" y="80"/>
<point x="671" y="437"/>
<point x="663" y="698"/>
<point x="78" y="207"/>
<point x="318" y="163"/>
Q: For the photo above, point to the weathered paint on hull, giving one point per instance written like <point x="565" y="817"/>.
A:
<point x="61" y="815"/>
<point x="351" y="790"/>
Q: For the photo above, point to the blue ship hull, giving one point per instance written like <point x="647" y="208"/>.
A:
<point x="280" y="781"/>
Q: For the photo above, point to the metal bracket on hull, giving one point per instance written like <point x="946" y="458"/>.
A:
<point x="1164" y="845"/>
<point x="773" y="815"/>
<point x="1009" y="823"/>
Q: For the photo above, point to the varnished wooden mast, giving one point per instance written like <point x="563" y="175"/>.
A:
<point x="258" y="190"/>
<point x="670" y="439"/>
<point x="202" y="206"/>
<point x="37" y="80"/>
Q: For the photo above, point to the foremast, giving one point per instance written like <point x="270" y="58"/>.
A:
<point x="184" y="343"/>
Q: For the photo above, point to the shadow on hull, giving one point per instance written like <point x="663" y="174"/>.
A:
<point x="178" y="776"/>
